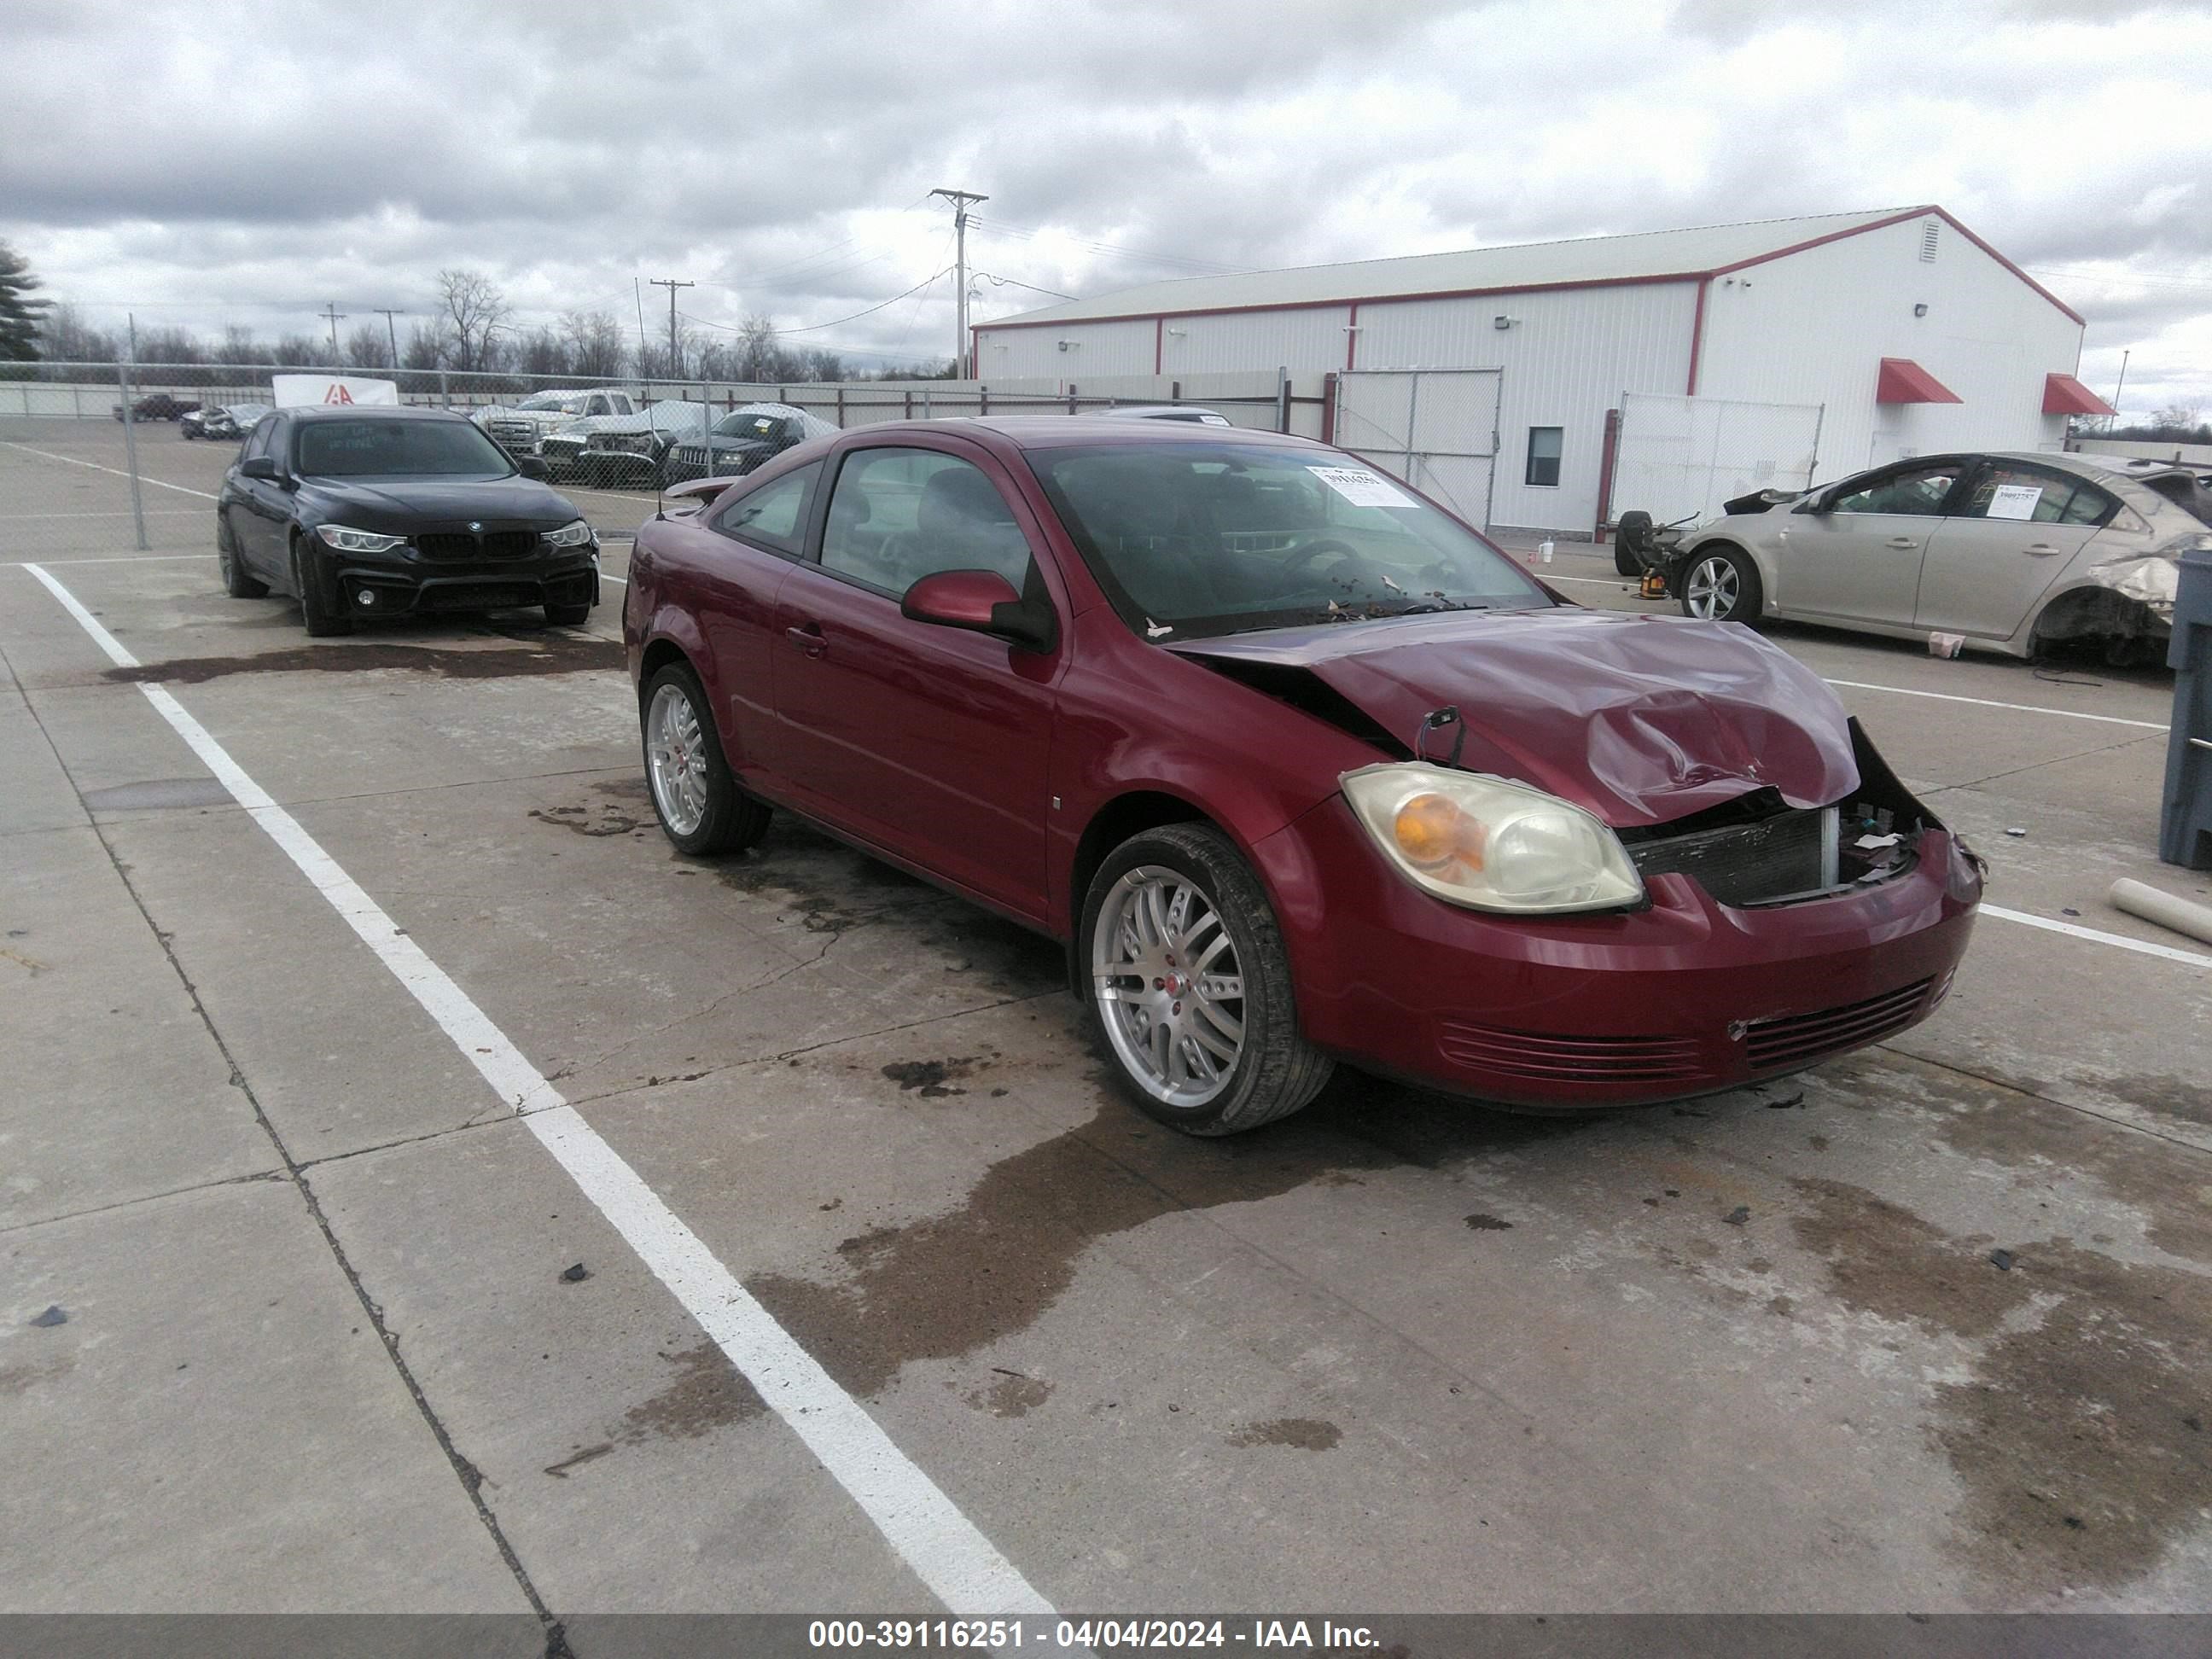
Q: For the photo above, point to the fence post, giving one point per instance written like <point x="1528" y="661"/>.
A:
<point x="1328" y="408"/>
<point x="130" y="452"/>
<point x="984" y="393"/>
<point x="1071" y="396"/>
<point x="1606" y="458"/>
<point x="910" y="403"/>
<point x="841" y="404"/>
<point x="444" y="393"/>
<point x="1175" y="392"/>
<point x="1283" y="399"/>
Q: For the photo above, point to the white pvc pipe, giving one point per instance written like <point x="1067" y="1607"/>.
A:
<point x="2138" y="899"/>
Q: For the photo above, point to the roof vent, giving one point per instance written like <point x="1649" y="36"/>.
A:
<point x="1929" y="229"/>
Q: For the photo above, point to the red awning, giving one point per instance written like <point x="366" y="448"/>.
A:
<point x="1903" y="382"/>
<point x="2064" y="395"/>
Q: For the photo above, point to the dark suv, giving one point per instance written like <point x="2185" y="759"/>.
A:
<point x="157" y="406"/>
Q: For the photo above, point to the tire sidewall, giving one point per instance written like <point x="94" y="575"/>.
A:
<point x="1206" y="858"/>
<point x="722" y="796"/>
<point x="1748" y="593"/>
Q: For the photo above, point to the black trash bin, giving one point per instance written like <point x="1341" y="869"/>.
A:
<point x="2185" y="821"/>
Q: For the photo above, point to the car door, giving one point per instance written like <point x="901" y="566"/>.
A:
<point x="930" y="742"/>
<point x="1857" y="556"/>
<point x="737" y="559"/>
<point x="263" y="506"/>
<point x="2015" y="527"/>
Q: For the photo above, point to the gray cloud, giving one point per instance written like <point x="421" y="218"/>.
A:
<point x="247" y="162"/>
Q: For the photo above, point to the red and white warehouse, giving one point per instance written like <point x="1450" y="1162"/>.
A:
<point x="1551" y="385"/>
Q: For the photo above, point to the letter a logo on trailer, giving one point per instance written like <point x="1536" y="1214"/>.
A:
<point x="338" y="393"/>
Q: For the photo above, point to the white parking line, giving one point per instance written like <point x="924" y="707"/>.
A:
<point x="71" y="460"/>
<point x="1988" y="703"/>
<point x="943" y="1548"/>
<point x="2167" y="951"/>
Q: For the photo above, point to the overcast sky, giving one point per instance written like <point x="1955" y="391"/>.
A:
<point x="204" y="164"/>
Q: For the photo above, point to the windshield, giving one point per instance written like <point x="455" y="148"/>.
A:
<point x="742" y="425"/>
<point x="1193" y="539"/>
<point x="370" y="448"/>
<point x="572" y="404"/>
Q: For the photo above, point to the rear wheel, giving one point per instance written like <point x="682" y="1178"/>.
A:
<point x="1190" y="985"/>
<point x="695" y="795"/>
<point x="321" y="606"/>
<point x="236" y="581"/>
<point x="1721" y="584"/>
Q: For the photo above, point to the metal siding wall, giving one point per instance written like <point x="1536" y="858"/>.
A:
<point x="1101" y="349"/>
<point x="1568" y="355"/>
<point x="1310" y="341"/>
<point x="1814" y="327"/>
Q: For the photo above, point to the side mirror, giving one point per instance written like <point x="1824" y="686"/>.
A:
<point x="531" y="466"/>
<point x="982" y="601"/>
<point x="257" y="466"/>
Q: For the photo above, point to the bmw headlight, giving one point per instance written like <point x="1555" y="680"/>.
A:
<point x="357" y="541"/>
<point x="1491" y="844"/>
<point x="574" y="534"/>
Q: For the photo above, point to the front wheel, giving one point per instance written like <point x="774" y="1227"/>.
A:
<point x="695" y="795"/>
<point x="1721" y="584"/>
<point x="1190" y="985"/>
<point x="321" y="606"/>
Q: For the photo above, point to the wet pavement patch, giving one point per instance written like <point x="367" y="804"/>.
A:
<point x="1011" y="1393"/>
<point x="1487" y="1223"/>
<point x="1305" y="1433"/>
<point x="589" y="821"/>
<point x="2073" y="1438"/>
<point x="951" y="1284"/>
<point x="158" y="793"/>
<point x="930" y="1076"/>
<point x="707" y="1393"/>
<point x="554" y="653"/>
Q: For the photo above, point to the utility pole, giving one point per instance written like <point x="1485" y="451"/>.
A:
<point x="330" y="310"/>
<point x="2116" y="390"/>
<point x="391" y="329"/>
<point x="674" y="357"/>
<point x="961" y="200"/>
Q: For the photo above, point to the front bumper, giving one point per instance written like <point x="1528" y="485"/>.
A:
<point x="1683" y="998"/>
<point x="396" y="585"/>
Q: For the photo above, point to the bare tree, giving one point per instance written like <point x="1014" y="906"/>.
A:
<point x="169" y="345"/>
<point x="427" y="346"/>
<point x="239" y="346"/>
<point x="595" y="344"/>
<point x="66" y="337"/>
<point x="2183" y="415"/>
<point x="298" y="351"/>
<point x="542" y="351"/>
<point x="366" y="347"/>
<point x="475" y="310"/>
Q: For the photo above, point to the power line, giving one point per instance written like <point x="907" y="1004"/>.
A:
<point x="1009" y="282"/>
<point x="815" y="328"/>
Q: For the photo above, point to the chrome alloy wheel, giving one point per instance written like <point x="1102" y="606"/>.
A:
<point x="1170" y="990"/>
<point x="678" y="751"/>
<point x="1713" y="587"/>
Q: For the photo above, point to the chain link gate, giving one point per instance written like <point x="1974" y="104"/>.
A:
<point x="1678" y="456"/>
<point x="1435" y="429"/>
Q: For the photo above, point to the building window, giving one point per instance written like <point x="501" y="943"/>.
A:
<point x="1544" y="454"/>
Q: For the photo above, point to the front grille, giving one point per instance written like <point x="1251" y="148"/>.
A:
<point x="512" y="434"/>
<point x="1780" y="856"/>
<point x="1558" y="1058"/>
<point x="490" y="544"/>
<point x="1797" y="1039"/>
<point x="479" y="596"/>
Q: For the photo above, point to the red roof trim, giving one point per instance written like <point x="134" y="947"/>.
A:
<point x="1903" y="382"/>
<point x="1553" y="287"/>
<point x="2064" y="395"/>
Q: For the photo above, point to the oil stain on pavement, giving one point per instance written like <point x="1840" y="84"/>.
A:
<point x="554" y="653"/>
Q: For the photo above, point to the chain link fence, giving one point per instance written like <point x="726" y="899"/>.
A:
<point x="621" y="433"/>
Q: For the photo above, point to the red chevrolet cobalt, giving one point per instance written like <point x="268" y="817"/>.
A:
<point x="1297" y="767"/>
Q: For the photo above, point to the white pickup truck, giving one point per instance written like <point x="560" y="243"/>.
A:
<point x="517" y="427"/>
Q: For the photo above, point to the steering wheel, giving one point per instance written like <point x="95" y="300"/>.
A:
<point x="1305" y="556"/>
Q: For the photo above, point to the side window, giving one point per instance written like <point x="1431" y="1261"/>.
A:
<point x="261" y="440"/>
<point x="774" y="515"/>
<point x="1916" y="491"/>
<point x="596" y="406"/>
<point x="897" y="515"/>
<point x="1545" y="443"/>
<point x="2031" y="495"/>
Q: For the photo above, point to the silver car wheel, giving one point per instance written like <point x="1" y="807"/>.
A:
<point x="1169" y="989"/>
<point x="1713" y="588"/>
<point x="678" y="751"/>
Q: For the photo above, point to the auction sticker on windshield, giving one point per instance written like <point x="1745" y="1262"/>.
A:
<point x="1360" y="487"/>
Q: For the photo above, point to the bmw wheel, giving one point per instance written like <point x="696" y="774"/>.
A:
<point x="1721" y="584"/>
<point x="322" y="608"/>
<point x="1190" y="985"/>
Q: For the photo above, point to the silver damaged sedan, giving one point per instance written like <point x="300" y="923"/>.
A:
<point x="2013" y="550"/>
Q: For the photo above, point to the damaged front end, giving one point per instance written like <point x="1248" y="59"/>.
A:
<point x="1758" y="851"/>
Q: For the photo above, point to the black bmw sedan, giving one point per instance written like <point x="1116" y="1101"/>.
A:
<point x="360" y="513"/>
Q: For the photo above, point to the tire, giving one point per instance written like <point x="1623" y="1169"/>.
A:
<point x="567" y="616"/>
<point x="320" y="608"/>
<point x="1629" y="530"/>
<point x="1720" y="583"/>
<point x="1167" y="1051"/>
<point x="236" y="581"/>
<point x="701" y="808"/>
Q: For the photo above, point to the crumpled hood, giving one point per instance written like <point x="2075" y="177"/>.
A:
<point x="1642" y="720"/>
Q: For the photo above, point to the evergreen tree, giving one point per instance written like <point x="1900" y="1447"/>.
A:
<point x="19" y="313"/>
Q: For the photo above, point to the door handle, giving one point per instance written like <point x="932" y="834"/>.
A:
<point x="808" y="639"/>
<point x="2040" y="547"/>
<point x="1903" y="541"/>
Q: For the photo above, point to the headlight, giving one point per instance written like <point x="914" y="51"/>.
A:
<point x="357" y="541"/>
<point x="569" y="535"/>
<point x="1490" y="844"/>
